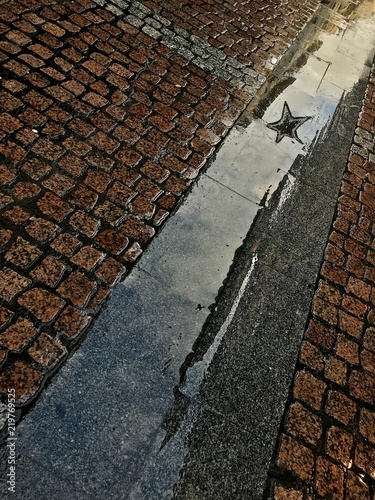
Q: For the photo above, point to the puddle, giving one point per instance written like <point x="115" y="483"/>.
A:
<point x="332" y="57"/>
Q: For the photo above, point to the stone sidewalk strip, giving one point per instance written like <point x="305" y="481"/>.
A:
<point x="327" y="443"/>
<point x="104" y="125"/>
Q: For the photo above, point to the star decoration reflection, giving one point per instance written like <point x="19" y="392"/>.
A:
<point x="288" y="124"/>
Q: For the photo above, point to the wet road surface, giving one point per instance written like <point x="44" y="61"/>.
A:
<point x="155" y="413"/>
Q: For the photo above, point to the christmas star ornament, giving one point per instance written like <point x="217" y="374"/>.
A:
<point x="288" y="124"/>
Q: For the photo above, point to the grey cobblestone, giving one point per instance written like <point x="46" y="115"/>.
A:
<point x="182" y="41"/>
<point x="152" y="32"/>
<point x="186" y="53"/>
<point x="135" y="21"/>
<point x="236" y="64"/>
<point x="161" y="20"/>
<point x="153" y="23"/>
<point x="364" y="134"/>
<point x="359" y="151"/>
<point x="123" y="4"/>
<point x="115" y="10"/>
<point x="168" y="33"/>
<point x="200" y="52"/>
<point x="140" y="10"/>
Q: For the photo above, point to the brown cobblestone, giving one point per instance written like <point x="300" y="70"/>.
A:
<point x="296" y="458"/>
<point x="12" y="151"/>
<point x="18" y="335"/>
<point x="72" y="323"/>
<point x="83" y="197"/>
<point x="362" y="386"/>
<point x="142" y="207"/>
<point x="329" y="293"/>
<point x="49" y="271"/>
<point x="309" y="389"/>
<point x="329" y="479"/>
<point x="120" y="194"/>
<point x="336" y="370"/>
<point x="41" y="303"/>
<point x="23" y="378"/>
<point x="365" y="458"/>
<point x="22" y="254"/>
<point x="339" y="445"/>
<point x="17" y="215"/>
<point x="23" y="190"/>
<point x="325" y="311"/>
<point x="133" y="252"/>
<point x="368" y="361"/>
<point x="347" y="349"/>
<point x="341" y="407"/>
<point x="287" y="494"/>
<point x="11" y="283"/>
<point x="110" y="271"/>
<point x="98" y="298"/>
<point x="36" y="168"/>
<point x="311" y="356"/>
<point x="356" y="489"/>
<point x="47" y="149"/>
<point x="302" y="423"/>
<point x="109" y="212"/>
<point x="5" y="236"/>
<point x="5" y="200"/>
<point x="72" y="165"/>
<point x="369" y="339"/>
<point x="46" y="351"/>
<point x="5" y="316"/>
<point x="7" y="174"/>
<point x="58" y="184"/>
<point x="9" y="123"/>
<point x="54" y="206"/>
<point x="97" y="180"/>
<point x="84" y="223"/>
<point x="137" y="230"/>
<point x="65" y="244"/>
<point x="359" y="288"/>
<point x="367" y="424"/>
<point x="334" y="274"/>
<point x="87" y="257"/>
<point x="351" y="325"/>
<point x="77" y="288"/>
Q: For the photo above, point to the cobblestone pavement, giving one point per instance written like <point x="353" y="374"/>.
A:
<point x="104" y="123"/>
<point x="327" y="445"/>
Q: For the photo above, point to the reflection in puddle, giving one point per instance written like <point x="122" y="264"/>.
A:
<point x="288" y="125"/>
<point x="330" y="59"/>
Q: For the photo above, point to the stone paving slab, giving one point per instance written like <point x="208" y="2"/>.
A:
<point x="104" y="124"/>
<point x="326" y="448"/>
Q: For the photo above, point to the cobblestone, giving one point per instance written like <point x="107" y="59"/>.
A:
<point x="332" y="407"/>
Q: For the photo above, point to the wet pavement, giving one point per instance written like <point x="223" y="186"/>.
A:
<point x="108" y="114"/>
<point x="180" y="386"/>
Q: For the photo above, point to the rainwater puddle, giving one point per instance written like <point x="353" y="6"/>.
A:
<point x="337" y="51"/>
